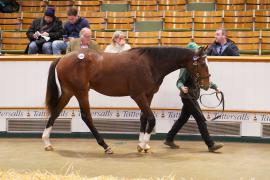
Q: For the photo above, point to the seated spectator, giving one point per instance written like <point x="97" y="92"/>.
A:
<point x="71" y="30"/>
<point x="222" y="46"/>
<point x="43" y="32"/>
<point x="83" y="42"/>
<point x="118" y="43"/>
<point x="9" y="6"/>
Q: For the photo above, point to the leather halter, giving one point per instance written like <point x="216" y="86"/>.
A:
<point x="197" y="80"/>
<point x="196" y="67"/>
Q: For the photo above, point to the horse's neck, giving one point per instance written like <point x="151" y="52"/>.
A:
<point x="164" y="67"/>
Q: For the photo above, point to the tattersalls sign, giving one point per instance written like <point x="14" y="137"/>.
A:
<point x="135" y="114"/>
<point x="165" y="118"/>
<point x="11" y="113"/>
<point x="265" y="118"/>
<point x="233" y="116"/>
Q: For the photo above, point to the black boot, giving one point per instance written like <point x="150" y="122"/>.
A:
<point x="215" y="147"/>
<point x="171" y="144"/>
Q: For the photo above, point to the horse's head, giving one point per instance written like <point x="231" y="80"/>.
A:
<point x="200" y="68"/>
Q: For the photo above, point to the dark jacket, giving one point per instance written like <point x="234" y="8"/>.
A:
<point x="73" y="30"/>
<point x="231" y="49"/>
<point x="185" y="79"/>
<point x="9" y="6"/>
<point x="55" y="31"/>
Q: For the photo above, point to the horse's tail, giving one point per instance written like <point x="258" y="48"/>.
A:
<point x="52" y="93"/>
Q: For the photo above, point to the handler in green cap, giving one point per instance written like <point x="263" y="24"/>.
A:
<point x="190" y="92"/>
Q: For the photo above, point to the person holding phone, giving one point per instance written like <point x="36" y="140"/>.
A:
<point x="72" y="30"/>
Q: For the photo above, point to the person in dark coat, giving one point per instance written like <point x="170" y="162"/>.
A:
<point x="43" y="32"/>
<point x="222" y="46"/>
<point x="9" y="6"/>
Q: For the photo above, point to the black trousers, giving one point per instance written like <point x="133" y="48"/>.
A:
<point x="191" y="107"/>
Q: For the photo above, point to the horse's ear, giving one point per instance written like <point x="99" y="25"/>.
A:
<point x="200" y="50"/>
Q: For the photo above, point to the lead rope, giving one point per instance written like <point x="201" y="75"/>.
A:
<point x="221" y="101"/>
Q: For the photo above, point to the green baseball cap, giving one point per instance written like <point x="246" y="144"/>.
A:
<point x="192" y="45"/>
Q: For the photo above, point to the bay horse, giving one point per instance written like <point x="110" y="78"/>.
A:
<point x="137" y="73"/>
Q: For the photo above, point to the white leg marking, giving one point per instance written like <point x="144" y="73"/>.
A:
<point x="141" y="137"/>
<point x="58" y="83"/>
<point x="146" y="140"/>
<point x="146" y="137"/>
<point x="141" y="140"/>
<point x="46" y="136"/>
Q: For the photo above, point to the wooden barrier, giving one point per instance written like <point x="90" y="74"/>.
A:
<point x="243" y="80"/>
<point x="210" y="58"/>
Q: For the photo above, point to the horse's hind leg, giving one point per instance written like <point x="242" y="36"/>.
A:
<point x="87" y="118"/>
<point x="64" y="99"/>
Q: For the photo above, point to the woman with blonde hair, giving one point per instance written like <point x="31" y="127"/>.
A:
<point x="118" y="43"/>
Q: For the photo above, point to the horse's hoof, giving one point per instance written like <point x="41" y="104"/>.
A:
<point x="49" y="148"/>
<point x="147" y="148"/>
<point x="139" y="148"/>
<point x="108" y="151"/>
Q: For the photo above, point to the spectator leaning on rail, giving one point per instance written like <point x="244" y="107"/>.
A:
<point x="43" y="32"/>
<point x="190" y="92"/>
<point x="118" y="43"/>
<point x="83" y="42"/>
<point x="71" y="30"/>
<point x="222" y="46"/>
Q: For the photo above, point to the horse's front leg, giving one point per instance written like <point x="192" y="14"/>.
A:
<point x="87" y="118"/>
<point x="142" y="146"/>
<point x="147" y="118"/>
<point x="151" y="122"/>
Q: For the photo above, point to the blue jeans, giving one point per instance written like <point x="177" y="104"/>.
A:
<point x="58" y="46"/>
<point x="46" y="48"/>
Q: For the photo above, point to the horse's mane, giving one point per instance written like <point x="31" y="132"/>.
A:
<point x="160" y="53"/>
